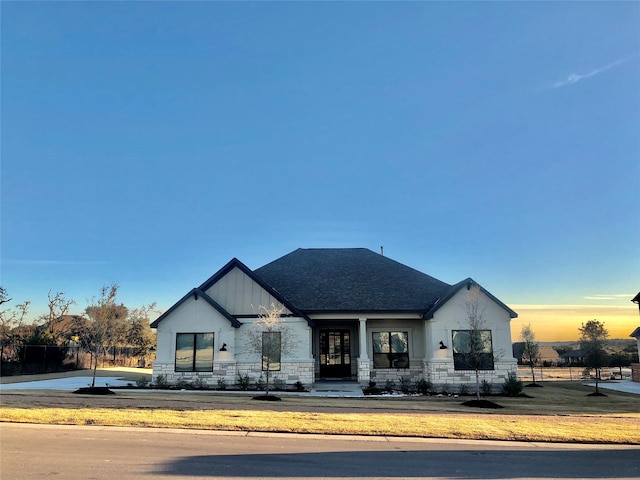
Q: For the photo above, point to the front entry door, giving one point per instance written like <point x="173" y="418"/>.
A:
<point x="335" y="354"/>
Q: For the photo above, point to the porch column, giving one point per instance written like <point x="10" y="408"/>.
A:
<point x="364" y="370"/>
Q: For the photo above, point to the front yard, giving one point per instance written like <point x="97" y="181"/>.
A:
<point x="559" y="412"/>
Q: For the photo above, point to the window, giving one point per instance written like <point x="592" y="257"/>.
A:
<point x="472" y="351"/>
<point x="390" y="350"/>
<point x="194" y="352"/>
<point x="271" y="351"/>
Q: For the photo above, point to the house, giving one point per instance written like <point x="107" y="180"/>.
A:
<point x="356" y="315"/>
<point x="573" y="357"/>
<point x="547" y="355"/>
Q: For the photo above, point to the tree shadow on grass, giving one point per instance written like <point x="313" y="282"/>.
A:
<point x="464" y="464"/>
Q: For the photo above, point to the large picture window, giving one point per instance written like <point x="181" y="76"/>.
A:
<point x="271" y="351"/>
<point x="472" y="350"/>
<point x="390" y="350"/>
<point x="194" y="352"/>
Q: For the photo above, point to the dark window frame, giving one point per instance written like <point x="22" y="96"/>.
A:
<point x="273" y="365"/>
<point x="194" y="351"/>
<point x="390" y="359"/>
<point x="463" y="360"/>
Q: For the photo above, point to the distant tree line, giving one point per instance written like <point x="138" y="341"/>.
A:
<point x="607" y="353"/>
<point x="106" y="331"/>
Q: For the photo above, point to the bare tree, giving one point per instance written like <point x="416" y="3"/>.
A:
<point x="270" y="339"/>
<point x="12" y="329"/>
<point x="478" y="350"/>
<point x="592" y="338"/>
<point x="530" y="351"/>
<point x="104" y="326"/>
<point x="58" y="308"/>
<point x="4" y="296"/>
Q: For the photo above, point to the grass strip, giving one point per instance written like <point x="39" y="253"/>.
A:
<point x="614" y="429"/>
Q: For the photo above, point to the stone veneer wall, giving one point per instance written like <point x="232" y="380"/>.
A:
<point x="383" y="375"/>
<point x="635" y="372"/>
<point x="441" y="372"/>
<point x="290" y="373"/>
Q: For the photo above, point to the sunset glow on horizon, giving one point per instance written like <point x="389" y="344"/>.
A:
<point x="559" y="323"/>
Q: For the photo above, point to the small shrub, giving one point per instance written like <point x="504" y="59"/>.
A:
<point x="512" y="386"/>
<point x="405" y="384"/>
<point x="222" y="384"/>
<point x="260" y="383"/>
<point x="372" y="384"/>
<point x="298" y="386"/>
<point x="389" y="384"/>
<point x="485" y="388"/>
<point x="463" y="389"/>
<point x="162" y="381"/>
<point x="142" y="382"/>
<point x="199" y="383"/>
<point x="423" y="386"/>
<point x="182" y="384"/>
<point x="243" y="381"/>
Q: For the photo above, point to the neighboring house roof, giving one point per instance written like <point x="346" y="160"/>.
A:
<point x="635" y="333"/>
<point x="573" y="354"/>
<point x="545" y="352"/>
<point x="350" y="280"/>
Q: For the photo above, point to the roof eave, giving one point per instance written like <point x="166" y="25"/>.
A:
<point x="196" y="292"/>
<point x="235" y="263"/>
<point x="468" y="283"/>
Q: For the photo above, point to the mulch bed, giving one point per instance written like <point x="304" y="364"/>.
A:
<point x="95" y="391"/>
<point x="481" y="404"/>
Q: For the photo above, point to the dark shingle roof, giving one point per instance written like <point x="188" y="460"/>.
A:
<point x="350" y="280"/>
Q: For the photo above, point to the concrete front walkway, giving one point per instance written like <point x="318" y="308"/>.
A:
<point x="336" y="389"/>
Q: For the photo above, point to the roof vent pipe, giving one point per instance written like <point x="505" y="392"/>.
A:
<point x="382" y="250"/>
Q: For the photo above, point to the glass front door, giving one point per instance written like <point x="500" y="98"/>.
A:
<point x="335" y="354"/>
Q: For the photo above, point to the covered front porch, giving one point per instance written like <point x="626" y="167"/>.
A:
<point x="337" y="350"/>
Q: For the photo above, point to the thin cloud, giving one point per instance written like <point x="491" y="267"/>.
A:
<point x="576" y="77"/>
<point x="613" y="296"/>
<point x="571" y="307"/>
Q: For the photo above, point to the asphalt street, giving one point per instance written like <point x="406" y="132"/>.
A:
<point x="92" y="452"/>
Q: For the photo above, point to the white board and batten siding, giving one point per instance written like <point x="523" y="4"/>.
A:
<point x="238" y="294"/>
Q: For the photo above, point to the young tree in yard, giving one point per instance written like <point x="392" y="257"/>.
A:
<point x="592" y="338"/>
<point x="620" y="359"/>
<point x="104" y="327"/>
<point x="530" y="352"/>
<point x="270" y="339"/>
<point x="479" y="343"/>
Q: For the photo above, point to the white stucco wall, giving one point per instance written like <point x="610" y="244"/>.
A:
<point x="453" y="316"/>
<point x="193" y="316"/>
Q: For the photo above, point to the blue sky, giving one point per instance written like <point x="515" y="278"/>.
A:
<point x="149" y="143"/>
